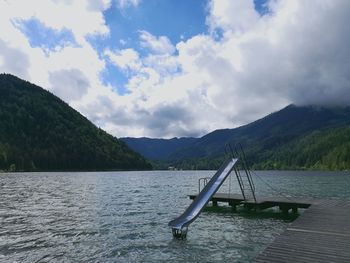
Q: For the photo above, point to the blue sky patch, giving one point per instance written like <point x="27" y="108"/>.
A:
<point x="117" y="79"/>
<point x="262" y="7"/>
<point x="177" y="20"/>
<point x="45" y="37"/>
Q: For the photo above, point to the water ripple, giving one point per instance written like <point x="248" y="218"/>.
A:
<point x="123" y="216"/>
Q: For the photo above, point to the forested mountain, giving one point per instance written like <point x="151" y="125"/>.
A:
<point x="308" y="137"/>
<point x="327" y="149"/>
<point x="40" y="132"/>
<point x="157" y="149"/>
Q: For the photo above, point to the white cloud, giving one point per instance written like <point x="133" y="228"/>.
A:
<point x="237" y="16"/>
<point x="80" y="16"/>
<point x="298" y="52"/>
<point x="123" y="42"/>
<point x="13" y="60"/>
<point x="69" y="84"/>
<point x="126" y="59"/>
<point x="144" y="73"/>
<point x="98" y="5"/>
<point x="127" y="3"/>
<point x="261" y="64"/>
<point x="157" y="45"/>
<point x="34" y="64"/>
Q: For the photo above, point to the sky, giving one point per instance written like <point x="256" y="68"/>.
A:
<point x="175" y="68"/>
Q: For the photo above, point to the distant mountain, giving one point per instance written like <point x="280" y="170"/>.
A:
<point x="292" y="138"/>
<point x="157" y="149"/>
<point x="40" y="132"/>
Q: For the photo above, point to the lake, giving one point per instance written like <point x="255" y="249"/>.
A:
<point x="123" y="216"/>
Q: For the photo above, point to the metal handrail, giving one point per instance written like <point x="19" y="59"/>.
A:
<point x="240" y="183"/>
<point x="246" y="169"/>
<point x="205" y="181"/>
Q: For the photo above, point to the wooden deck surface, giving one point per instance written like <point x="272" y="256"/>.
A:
<point x="320" y="234"/>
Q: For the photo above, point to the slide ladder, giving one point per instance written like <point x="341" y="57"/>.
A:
<point x="244" y="177"/>
<point x="180" y="224"/>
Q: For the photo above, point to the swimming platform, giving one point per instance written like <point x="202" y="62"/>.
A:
<point x="320" y="234"/>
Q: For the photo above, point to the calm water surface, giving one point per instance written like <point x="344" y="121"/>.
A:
<point x="123" y="216"/>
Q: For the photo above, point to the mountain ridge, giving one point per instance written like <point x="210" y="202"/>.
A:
<point x="262" y="137"/>
<point x="157" y="149"/>
<point x="40" y="132"/>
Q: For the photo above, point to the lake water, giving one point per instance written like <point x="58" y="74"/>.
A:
<point x="123" y="216"/>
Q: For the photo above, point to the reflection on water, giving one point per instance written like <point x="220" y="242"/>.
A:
<point x="123" y="216"/>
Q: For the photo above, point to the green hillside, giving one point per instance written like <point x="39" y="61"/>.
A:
<point x="296" y="137"/>
<point x="320" y="150"/>
<point x="40" y="132"/>
<point x="293" y="138"/>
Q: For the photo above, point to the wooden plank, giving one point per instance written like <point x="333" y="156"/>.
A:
<point x="320" y="234"/>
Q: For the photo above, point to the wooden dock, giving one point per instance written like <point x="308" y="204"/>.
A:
<point x="285" y="204"/>
<point x="320" y="234"/>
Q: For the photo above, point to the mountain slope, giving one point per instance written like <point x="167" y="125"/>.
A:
<point x="269" y="132"/>
<point x="295" y="137"/>
<point x="327" y="149"/>
<point x="157" y="149"/>
<point x="40" y="132"/>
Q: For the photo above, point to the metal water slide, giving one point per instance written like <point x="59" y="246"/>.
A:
<point x="180" y="224"/>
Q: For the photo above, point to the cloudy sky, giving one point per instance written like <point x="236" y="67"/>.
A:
<point x="165" y="68"/>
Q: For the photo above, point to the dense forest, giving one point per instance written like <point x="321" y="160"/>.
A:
<point x="157" y="149"/>
<point x="320" y="150"/>
<point x="296" y="137"/>
<point x="40" y="132"/>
